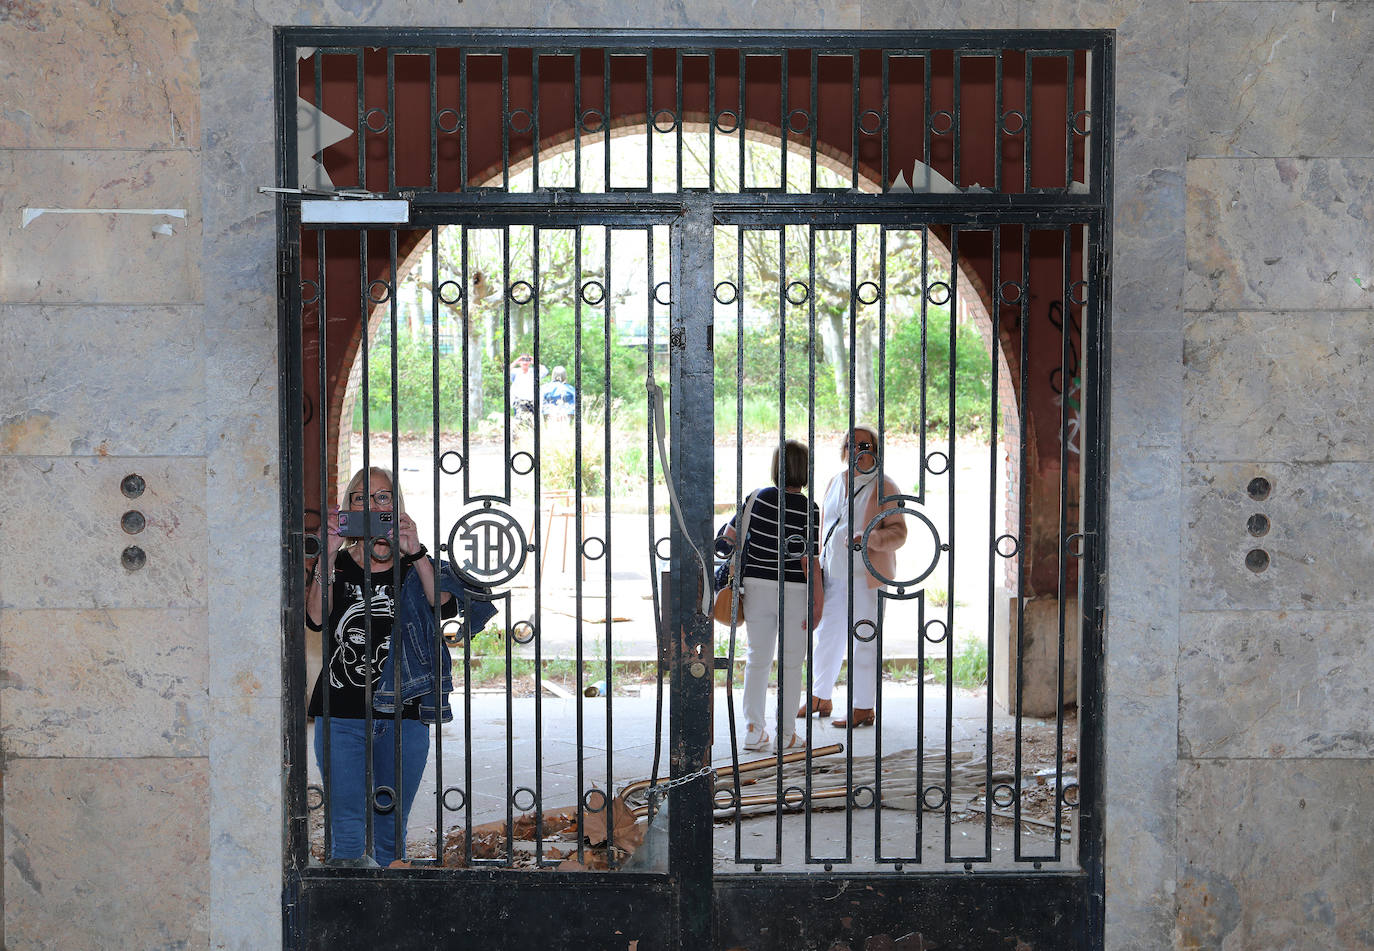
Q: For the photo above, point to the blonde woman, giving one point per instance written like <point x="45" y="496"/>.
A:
<point x="382" y="593"/>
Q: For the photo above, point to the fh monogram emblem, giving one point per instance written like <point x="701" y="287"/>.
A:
<point x="487" y="546"/>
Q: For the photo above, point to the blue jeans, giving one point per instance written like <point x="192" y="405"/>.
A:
<point x="348" y="799"/>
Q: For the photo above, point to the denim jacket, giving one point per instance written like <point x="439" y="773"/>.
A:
<point x="413" y="640"/>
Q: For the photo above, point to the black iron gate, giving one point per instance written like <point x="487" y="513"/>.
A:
<point x="716" y="244"/>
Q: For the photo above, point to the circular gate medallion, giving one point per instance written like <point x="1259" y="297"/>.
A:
<point x="487" y="546"/>
<point x="923" y="538"/>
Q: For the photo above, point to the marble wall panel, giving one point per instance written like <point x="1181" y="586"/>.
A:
<point x="89" y="380"/>
<point x="1275" y="854"/>
<point x="1279" y="386"/>
<point x="1276" y="684"/>
<point x="246" y="821"/>
<point x="1279" y="78"/>
<point x="64" y="535"/>
<point x="1319" y="540"/>
<point x="1280" y="234"/>
<point x="704" y="14"/>
<point x="100" y="257"/>
<point x="88" y="75"/>
<point x="103" y="683"/>
<point x="941" y="14"/>
<point x="1144" y="577"/>
<point x="110" y="853"/>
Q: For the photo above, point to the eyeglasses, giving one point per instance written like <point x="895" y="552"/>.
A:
<point x="382" y="497"/>
<point x="863" y="447"/>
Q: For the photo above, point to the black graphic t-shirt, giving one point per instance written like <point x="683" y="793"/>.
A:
<point x="353" y="654"/>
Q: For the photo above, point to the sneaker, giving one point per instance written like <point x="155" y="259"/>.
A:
<point x="756" y="738"/>
<point x="790" y="744"/>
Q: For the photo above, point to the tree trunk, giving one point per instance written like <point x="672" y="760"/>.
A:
<point x="865" y="386"/>
<point x="833" y="335"/>
<point x="476" y="409"/>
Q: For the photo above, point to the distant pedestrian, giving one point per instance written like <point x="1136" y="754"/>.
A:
<point x="557" y="398"/>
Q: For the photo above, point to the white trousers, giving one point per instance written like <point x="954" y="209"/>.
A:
<point x="832" y="639"/>
<point x="762" y="632"/>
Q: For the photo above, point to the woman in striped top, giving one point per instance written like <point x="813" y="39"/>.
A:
<point x="776" y="611"/>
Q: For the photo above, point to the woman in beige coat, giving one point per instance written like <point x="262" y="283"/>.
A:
<point x="853" y="500"/>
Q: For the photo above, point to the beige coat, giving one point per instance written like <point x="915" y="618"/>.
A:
<point x="886" y="537"/>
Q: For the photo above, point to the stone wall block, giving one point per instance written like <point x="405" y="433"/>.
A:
<point x="1285" y="684"/>
<point x="1275" y="854"/>
<point x="64" y="522"/>
<point x="1279" y="79"/>
<point x="92" y="380"/>
<point x="1280" y="233"/>
<point x="100" y="256"/>
<point x="110" y="853"/>
<point x="103" y="683"/>
<point x="1143" y="533"/>
<point x="1145" y="383"/>
<point x="246" y="822"/>
<point x="1317" y="545"/>
<point x="88" y="75"/>
<point x="1296" y="387"/>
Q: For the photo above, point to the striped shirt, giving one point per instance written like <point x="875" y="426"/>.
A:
<point x="762" y="545"/>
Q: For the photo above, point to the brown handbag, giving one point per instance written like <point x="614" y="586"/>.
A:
<point x="728" y="607"/>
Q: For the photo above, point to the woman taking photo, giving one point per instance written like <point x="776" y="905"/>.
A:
<point x="854" y="498"/>
<point x="379" y="585"/>
<point x="779" y="517"/>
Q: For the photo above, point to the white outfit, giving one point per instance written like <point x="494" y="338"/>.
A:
<point x="762" y="631"/>
<point x="832" y="634"/>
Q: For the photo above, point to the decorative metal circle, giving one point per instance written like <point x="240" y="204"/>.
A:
<point x="450" y="292"/>
<point x="868" y="628"/>
<point x="380" y="548"/>
<point x="383" y="799"/>
<point x="1013" y="115"/>
<point x="942" y="122"/>
<point x="1068" y="795"/>
<point x="523" y="799"/>
<point x="663" y="293"/>
<point x="726" y="122"/>
<point x="492" y="546"/>
<point x="593" y="293"/>
<point x="379" y="292"/>
<point x="797" y="293"/>
<point x="870" y="122"/>
<point x="313" y="546"/>
<point x="1005" y="551"/>
<point x="1257" y="560"/>
<point x="133" y="522"/>
<point x="451" y="458"/>
<point x="368" y="116"/>
<point x="518" y="127"/>
<point x="592" y="121"/>
<point x="454" y="799"/>
<point x="658" y="547"/>
<point x="1003" y="796"/>
<point x="863" y="797"/>
<point x="593" y="548"/>
<point x="794" y="546"/>
<point x="872" y="466"/>
<point x="726" y="288"/>
<point x="311" y="286"/>
<point x="793" y="796"/>
<point x="132" y="485"/>
<point x="521" y="463"/>
<point x="724" y="798"/>
<point x="1258" y="489"/>
<point x="521" y="292"/>
<point x="1258" y="525"/>
<point x="930" y="463"/>
<point x="934" y="538"/>
<point x="805" y="121"/>
<point x="868" y="293"/>
<point x="1078" y="292"/>
<point x="452" y="629"/>
<point x="939" y="293"/>
<point x="133" y="558"/>
<point x="448" y="121"/>
<point x="523" y="632"/>
<point x="665" y="120"/>
<point x="939" y="799"/>
<point x="1082" y="122"/>
<point x="933" y="638"/>
<point x="593" y="800"/>
<point x="1010" y="292"/>
<point x="314" y="797"/>
<point x="1075" y="539"/>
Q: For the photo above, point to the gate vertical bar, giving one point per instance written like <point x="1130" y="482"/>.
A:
<point x="692" y="377"/>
